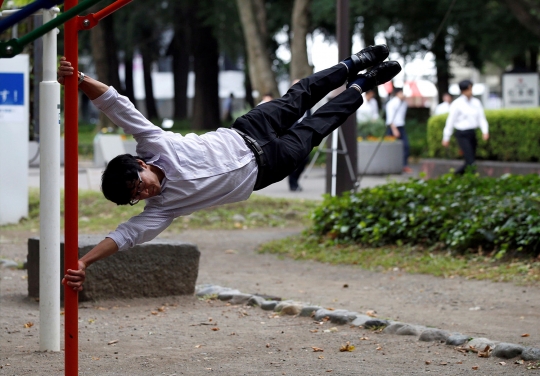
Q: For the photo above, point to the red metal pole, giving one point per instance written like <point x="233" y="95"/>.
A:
<point x="111" y="8"/>
<point x="71" y="200"/>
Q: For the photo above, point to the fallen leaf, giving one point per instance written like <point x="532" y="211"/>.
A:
<point x="28" y="325"/>
<point x="267" y="345"/>
<point x="364" y="338"/>
<point x="346" y="347"/>
<point x="321" y="357"/>
<point x="345" y="286"/>
<point x="62" y="313"/>
<point x="161" y="309"/>
<point x="231" y="252"/>
<point x="112" y="342"/>
<point x="428" y="362"/>
<point x="502" y="363"/>
<point x="154" y="313"/>
<point x="317" y="349"/>
<point x="486" y="353"/>
<point x="378" y="347"/>
<point x="198" y="346"/>
<point x="91" y="321"/>
<point x="525" y="335"/>
<point x="313" y="330"/>
<point x="328" y="370"/>
<point x="215" y="329"/>
<point x="371" y="313"/>
<point x="95" y="358"/>
<point x="520" y="361"/>
<point x="443" y="363"/>
<point x="475" y="367"/>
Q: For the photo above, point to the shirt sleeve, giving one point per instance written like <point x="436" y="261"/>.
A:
<point x="123" y="113"/>
<point x="140" y="229"/>
<point x="482" y="121"/>
<point x="390" y="111"/>
<point x="449" y="127"/>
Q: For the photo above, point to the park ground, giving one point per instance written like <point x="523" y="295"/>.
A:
<point x="181" y="335"/>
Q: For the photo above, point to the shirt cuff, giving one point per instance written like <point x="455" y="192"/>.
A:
<point x="119" y="240"/>
<point x="106" y="99"/>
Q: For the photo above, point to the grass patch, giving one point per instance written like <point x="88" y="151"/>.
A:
<point x="97" y="215"/>
<point x="409" y="259"/>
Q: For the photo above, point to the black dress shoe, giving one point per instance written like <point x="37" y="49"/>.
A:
<point x="380" y="74"/>
<point x="369" y="57"/>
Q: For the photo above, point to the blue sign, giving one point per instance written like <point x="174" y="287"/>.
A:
<point x="12" y="89"/>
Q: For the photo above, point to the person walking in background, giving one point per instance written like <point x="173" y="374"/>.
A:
<point x="228" y="105"/>
<point x="370" y="110"/>
<point x="466" y="114"/>
<point x="396" y="109"/>
<point x="444" y="106"/>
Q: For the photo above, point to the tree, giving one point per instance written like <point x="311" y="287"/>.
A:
<point x="253" y="19"/>
<point x="300" y="26"/>
<point x="205" y="61"/>
<point x="527" y="13"/>
<point x="105" y="60"/>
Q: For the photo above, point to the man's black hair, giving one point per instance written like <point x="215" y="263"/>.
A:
<point x="464" y="85"/>
<point x="119" y="178"/>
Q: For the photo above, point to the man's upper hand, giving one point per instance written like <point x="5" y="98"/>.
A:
<point x="445" y="143"/>
<point x="75" y="278"/>
<point x="64" y="69"/>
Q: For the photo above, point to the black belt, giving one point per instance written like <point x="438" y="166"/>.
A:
<point x="254" y="146"/>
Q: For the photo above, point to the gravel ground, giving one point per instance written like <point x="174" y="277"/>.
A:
<point x="187" y="336"/>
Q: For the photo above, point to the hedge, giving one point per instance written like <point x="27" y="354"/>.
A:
<point x="514" y="136"/>
<point x="498" y="215"/>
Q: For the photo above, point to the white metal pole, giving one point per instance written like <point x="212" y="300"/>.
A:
<point x="334" y="162"/>
<point x="49" y="245"/>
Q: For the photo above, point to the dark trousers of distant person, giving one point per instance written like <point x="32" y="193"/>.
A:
<point x="405" y="141"/>
<point x="274" y="125"/>
<point x="467" y="143"/>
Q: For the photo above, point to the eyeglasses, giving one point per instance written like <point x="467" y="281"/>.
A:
<point x="135" y="201"/>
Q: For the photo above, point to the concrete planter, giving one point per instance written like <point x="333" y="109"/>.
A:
<point x="387" y="159"/>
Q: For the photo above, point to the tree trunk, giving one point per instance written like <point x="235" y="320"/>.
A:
<point x="533" y="59"/>
<point x="206" y="68"/>
<point x="149" y="100"/>
<point x="128" y="82"/>
<point x="442" y="65"/>
<point x="180" y="66"/>
<point x="300" y="25"/>
<point x="248" y="87"/>
<point x="527" y="13"/>
<point x="103" y="35"/>
<point x="260" y="66"/>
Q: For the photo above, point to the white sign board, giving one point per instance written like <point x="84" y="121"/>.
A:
<point x="14" y="133"/>
<point x="520" y="90"/>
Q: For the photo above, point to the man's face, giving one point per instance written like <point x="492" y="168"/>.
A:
<point x="147" y="184"/>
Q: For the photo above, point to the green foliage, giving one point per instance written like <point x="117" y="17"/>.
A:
<point x="514" y="136"/>
<point x="461" y="213"/>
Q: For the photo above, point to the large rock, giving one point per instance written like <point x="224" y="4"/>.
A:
<point x="153" y="269"/>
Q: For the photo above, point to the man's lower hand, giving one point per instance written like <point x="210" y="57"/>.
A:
<point x="75" y="278"/>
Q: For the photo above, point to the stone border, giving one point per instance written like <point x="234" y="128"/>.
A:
<point x="483" y="346"/>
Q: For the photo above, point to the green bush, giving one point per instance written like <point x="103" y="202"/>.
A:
<point x="514" y="136"/>
<point x="461" y="213"/>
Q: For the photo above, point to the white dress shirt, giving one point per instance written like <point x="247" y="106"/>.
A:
<point x="396" y="109"/>
<point x="442" y="108"/>
<point x="200" y="171"/>
<point x="368" y="111"/>
<point x="465" y="114"/>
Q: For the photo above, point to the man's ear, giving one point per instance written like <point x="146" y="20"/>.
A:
<point x="141" y="163"/>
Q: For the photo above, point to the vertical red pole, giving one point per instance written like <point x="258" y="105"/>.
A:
<point x="71" y="187"/>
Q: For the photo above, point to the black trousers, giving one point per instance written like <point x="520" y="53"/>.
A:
<point x="286" y="144"/>
<point x="467" y="143"/>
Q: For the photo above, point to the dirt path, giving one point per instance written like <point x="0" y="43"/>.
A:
<point x="251" y="341"/>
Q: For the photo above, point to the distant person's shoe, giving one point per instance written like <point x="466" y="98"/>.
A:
<point x="407" y="170"/>
<point x="380" y="74"/>
<point x="296" y="189"/>
<point x="366" y="58"/>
